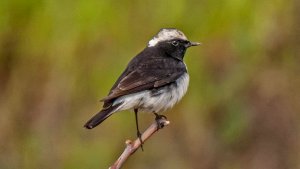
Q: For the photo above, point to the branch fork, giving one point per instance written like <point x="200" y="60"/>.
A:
<point x="132" y="146"/>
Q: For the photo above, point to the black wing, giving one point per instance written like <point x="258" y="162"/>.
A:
<point x="146" y="73"/>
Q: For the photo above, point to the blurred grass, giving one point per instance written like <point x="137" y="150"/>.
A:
<point x="58" y="58"/>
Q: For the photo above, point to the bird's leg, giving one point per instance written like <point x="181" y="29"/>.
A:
<point x="137" y="128"/>
<point x="157" y="118"/>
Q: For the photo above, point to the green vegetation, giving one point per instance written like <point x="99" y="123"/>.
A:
<point x="58" y="58"/>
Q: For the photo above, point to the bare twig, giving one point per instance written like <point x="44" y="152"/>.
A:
<point x="131" y="147"/>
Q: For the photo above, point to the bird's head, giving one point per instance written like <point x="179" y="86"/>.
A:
<point x="172" y="41"/>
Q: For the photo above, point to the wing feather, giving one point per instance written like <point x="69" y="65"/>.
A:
<point x="151" y="73"/>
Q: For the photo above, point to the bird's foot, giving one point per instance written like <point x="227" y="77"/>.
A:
<point x="139" y="135"/>
<point x="157" y="118"/>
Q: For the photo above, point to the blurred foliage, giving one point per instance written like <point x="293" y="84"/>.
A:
<point x="58" y="58"/>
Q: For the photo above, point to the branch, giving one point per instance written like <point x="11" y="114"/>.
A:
<point x="131" y="147"/>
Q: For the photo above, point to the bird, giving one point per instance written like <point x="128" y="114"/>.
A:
<point x="153" y="81"/>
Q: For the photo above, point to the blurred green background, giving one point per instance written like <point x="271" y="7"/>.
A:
<point x="59" y="58"/>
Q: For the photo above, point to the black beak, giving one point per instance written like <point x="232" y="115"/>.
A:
<point x="192" y="44"/>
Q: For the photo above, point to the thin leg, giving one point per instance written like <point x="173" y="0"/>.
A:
<point x="137" y="128"/>
<point x="157" y="118"/>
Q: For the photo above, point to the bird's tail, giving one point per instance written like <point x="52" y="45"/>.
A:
<point x="100" y="117"/>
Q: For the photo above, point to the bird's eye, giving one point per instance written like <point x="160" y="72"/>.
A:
<point x="175" y="43"/>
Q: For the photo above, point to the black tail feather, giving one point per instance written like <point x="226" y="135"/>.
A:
<point x="100" y="117"/>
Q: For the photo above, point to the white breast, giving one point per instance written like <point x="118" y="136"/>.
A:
<point x="158" y="101"/>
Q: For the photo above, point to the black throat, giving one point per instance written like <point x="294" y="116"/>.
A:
<point x="174" y="49"/>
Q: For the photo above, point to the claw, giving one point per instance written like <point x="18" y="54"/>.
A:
<point x="137" y="128"/>
<point x="140" y="138"/>
<point x="157" y="118"/>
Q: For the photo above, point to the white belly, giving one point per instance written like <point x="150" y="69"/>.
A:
<point x="155" y="101"/>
